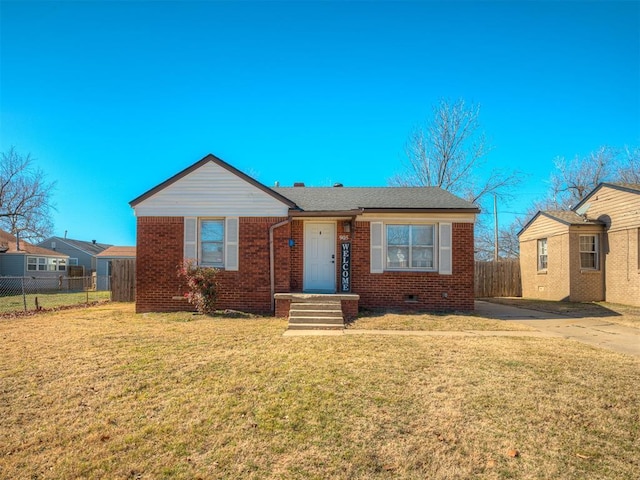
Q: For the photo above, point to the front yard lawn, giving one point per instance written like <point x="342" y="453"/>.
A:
<point x="105" y="393"/>
<point x="432" y="322"/>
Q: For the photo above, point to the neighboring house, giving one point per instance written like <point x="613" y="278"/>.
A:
<point x="590" y="253"/>
<point x="29" y="260"/>
<point x="80" y="253"/>
<point x="105" y="261"/>
<point x="384" y="247"/>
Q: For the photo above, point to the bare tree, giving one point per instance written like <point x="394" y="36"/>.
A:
<point x="25" y="197"/>
<point x="574" y="179"/>
<point x="630" y="166"/>
<point x="449" y="151"/>
<point x="508" y="245"/>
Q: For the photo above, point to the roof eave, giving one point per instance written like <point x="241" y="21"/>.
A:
<point x="325" y="213"/>
<point x="421" y="210"/>
<point x="360" y="211"/>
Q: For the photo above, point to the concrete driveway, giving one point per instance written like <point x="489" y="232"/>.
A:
<point x="593" y="331"/>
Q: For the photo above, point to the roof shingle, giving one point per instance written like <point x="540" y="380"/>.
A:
<point x="8" y="241"/>
<point x="317" y="199"/>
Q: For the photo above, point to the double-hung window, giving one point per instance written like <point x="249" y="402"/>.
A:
<point x="212" y="242"/>
<point x="589" y="252"/>
<point x="410" y="247"/>
<point x="542" y="254"/>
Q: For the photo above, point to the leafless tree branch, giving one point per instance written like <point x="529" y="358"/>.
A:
<point x="25" y="197"/>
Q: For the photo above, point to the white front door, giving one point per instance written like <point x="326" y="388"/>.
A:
<point x="319" y="257"/>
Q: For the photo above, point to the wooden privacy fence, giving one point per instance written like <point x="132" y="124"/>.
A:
<point x="498" y="279"/>
<point x="123" y="280"/>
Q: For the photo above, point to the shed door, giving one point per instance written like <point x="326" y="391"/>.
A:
<point x="320" y="257"/>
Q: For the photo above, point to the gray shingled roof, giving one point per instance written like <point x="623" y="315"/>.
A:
<point x="87" y="247"/>
<point x="323" y="199"/>
<point x="570" y="217"/>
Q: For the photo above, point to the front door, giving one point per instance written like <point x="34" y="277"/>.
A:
<point x="319" y="257"/>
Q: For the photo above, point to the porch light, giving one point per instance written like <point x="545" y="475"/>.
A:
<point x="346" y="226"/>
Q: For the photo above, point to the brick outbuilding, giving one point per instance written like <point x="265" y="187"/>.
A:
<point x="387" y="247"/>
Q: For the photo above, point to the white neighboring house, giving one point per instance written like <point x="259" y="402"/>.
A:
<point x="104" y="263"/>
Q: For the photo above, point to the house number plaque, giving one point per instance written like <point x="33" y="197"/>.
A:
<point x="345" y="267"/>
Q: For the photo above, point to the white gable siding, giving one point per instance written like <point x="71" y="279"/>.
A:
<point x="211" y="191"/>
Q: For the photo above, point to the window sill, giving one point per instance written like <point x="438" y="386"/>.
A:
<point x="421" y="270"/>
<point x="541" y="272"/>
<point x="589" y="271"/>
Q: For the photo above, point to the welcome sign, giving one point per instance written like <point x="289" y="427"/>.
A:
<point x="345" y="267"/>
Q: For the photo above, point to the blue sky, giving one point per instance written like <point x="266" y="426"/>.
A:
<point x="113" y="98"/>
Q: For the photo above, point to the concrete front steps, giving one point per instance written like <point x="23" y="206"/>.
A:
<point x="315" y="314"/>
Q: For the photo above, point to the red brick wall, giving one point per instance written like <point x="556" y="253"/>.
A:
<point x="391" y="289"/>
<point x="297" y="255"/>
<point x="158" y="254"/>
<point x="160" y="250"/>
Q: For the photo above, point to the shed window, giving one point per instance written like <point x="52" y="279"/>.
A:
<point x="589" y="252"/>
<point x="542" y="254"/>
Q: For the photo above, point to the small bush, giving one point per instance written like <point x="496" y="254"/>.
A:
<point x="202" y="288"/>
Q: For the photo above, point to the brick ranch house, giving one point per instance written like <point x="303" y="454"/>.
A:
<point x="406" y="248"/>
<point x="590" y="253"/>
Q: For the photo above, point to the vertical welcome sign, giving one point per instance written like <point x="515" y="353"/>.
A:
<point x="345" y="267"/>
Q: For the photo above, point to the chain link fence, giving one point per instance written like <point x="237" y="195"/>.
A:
<point x="24" y="294"/>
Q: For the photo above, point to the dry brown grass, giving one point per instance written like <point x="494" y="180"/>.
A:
<point x="432" y="322"/>
<point x="104" y="393"/>
<point x="612" y="312"/>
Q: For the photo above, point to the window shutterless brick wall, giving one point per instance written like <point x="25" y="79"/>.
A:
<point x="158" y="254"/>
<point x="160" y="250"/>
<point x="622" y="266"/>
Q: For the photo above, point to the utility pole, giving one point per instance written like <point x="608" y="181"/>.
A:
<point x="495" y="231"/>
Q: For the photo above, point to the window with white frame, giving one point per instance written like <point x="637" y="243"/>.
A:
<point x="589" y="252"/>
<point x="211" y="242"/>
<point x="410" y="246"/>
<point x="542" y="254"/>
<point x="46" y="264"/>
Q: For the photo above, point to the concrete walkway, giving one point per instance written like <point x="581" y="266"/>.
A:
<point x="590" y="330"/>
<point x="593" y="331"/>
